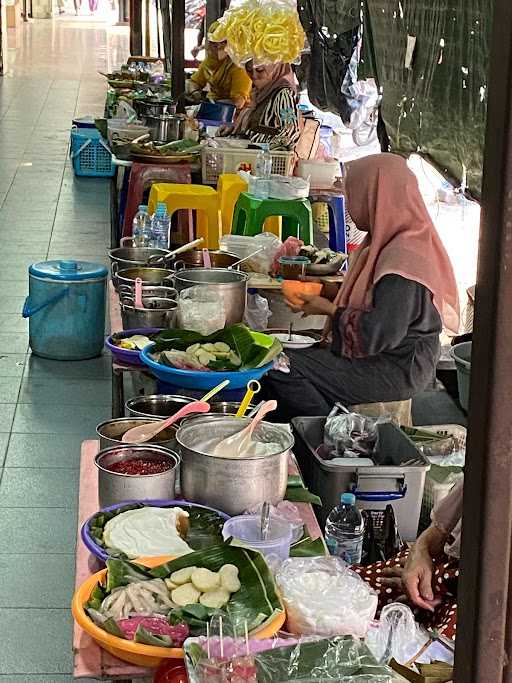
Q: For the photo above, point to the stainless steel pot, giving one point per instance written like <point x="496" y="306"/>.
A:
<point x="165" y="127"/>
<point x="153" y="107"/>
<point x="217" y="411"/>
<point x="157" y="312"/>
<point x="114" y="487"/>
<point x="149" y="276"/>
<point x="229" y="484"/>
<point x="111" y="432"/>
<point x="122" y="258"/>
<point x="195" y="259"/>
<point x="230" y="285"/>
<point x="156" y="405"/>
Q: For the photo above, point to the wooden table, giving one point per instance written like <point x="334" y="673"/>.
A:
<point x="90" y="661"/>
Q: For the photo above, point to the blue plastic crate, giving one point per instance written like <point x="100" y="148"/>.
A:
<point x="90" y="154"/>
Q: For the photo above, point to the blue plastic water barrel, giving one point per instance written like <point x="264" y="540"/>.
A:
<point x="66" y="309"/>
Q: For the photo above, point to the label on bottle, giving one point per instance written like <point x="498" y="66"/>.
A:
<point x="350" y="551"/>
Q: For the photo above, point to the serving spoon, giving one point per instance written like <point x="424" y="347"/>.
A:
<point x="232" y="446"/>
<point x="148" y="431"/>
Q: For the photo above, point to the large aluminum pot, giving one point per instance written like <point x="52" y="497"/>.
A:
<point x="149" y="276"/>
<point x="114" y="487"/>
<point x="111" y="432"/>
<point x="228" y="484"/>
<point x="122" y="258"/>
<point x="230" y="285"/>
<point x="165" y="127"/>
<point x="195" y="259"/>
<point x="153" y="107"/>
<point x="157" y="312"/>
<point x="156" y="405"/>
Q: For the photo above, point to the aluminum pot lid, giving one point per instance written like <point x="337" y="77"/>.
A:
<point x="68" y="270"/>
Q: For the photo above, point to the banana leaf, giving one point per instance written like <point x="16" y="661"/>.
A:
<point x="205" y="527"/>
<point x="342" y="658"/>
<point x="256" y="602"/>
<point x="308" y="548"/>
<point x="254" y="349"/>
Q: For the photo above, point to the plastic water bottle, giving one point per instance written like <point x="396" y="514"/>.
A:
<point x="344" y="530"/>
<point x="141" y="227"/>
<point x="263" y="171"/>
<point x="160" y="226"/>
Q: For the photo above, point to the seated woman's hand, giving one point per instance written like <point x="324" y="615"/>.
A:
<point x="313" y="304"/>
<point x="225" y="130"/>
<point x="417" y="579"/>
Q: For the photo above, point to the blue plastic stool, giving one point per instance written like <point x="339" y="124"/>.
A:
<point x="338" y="238"/>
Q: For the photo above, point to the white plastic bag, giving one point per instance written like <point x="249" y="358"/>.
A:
<point x="244" y="246"/>
<point x="257" y="312"/>
<point x="324" y="597"/>
<point x="201" y="310"/>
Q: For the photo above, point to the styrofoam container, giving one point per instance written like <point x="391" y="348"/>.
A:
<point x="321" y="173"/>
<point x="399" y="483"/>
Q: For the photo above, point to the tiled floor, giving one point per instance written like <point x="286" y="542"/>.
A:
<point x="46" y="408"/>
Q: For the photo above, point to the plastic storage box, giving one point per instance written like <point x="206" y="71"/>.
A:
<point x="399" y="483"/>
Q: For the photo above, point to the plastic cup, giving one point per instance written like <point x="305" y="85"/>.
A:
<point x="247" y="530"/>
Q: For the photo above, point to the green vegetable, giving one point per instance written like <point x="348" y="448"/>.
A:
<point x="195" y="616"/>
<point x="97" y="597"/>
<point x="110" y="626"/>
<point x="122" y="573"/>
<point x="146" y="638"/>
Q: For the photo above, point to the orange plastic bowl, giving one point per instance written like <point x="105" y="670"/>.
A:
<point x="148" y="656"/>
<point x="292" y="289"/>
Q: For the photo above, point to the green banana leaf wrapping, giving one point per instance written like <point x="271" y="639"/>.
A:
<point x="257" y="600"/>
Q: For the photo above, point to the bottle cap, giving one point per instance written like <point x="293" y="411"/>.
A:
<point x="161" y="209"/>
<point x="348" y="498"/>
<point x="143" y="208"/>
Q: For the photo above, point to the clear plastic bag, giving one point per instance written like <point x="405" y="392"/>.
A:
<point x="324" y="597"/>
<point x="396" y="635"/>
<point x="257" y="312"/>
<point x="351" y="435"/>
<point x="244" y="246"/>
<point x="201" y="310"/>
<point x="335" y="660"/>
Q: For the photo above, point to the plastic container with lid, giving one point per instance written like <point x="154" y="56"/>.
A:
<point x="246" y="530"/>
<point x="66" y="309"/>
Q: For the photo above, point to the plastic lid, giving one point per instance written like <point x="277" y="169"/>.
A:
<point x="348" y="498"/>
<point x="161" y="209"/>
<point x="68" y="270"/>
<point x="143" y="208"/>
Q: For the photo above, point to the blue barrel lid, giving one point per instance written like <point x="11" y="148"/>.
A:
<point x="68" y="270"/>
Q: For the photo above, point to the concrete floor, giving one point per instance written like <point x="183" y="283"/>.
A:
<point x="46" y="408"/>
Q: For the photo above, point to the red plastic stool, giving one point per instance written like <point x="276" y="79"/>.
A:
<point x="142" y="176"/>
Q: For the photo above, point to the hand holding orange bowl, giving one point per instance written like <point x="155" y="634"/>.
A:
<point x="292" y="289"/>
<point x="149" y="656"/>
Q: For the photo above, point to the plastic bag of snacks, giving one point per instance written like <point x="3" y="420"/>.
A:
<point x="324" y="597"/>
<point x="266" y="31"/>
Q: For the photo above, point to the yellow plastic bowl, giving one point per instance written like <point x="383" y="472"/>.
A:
<point x="148" y="656"/>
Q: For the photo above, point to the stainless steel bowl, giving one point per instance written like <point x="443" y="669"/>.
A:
<point x="157" y="312"/>
<point x="111" y="432"/>
<point x="165" y="127"/>
<point x="153" y="107"/>
<point x="156" y="405"/>
<point x="230" y="285"/>
<point x="122" y="258"/>
<point x="114" y="487"/>
<point x="229" y="484"/>
<point x="195" y="259"/>
<point x="149" y="276"/>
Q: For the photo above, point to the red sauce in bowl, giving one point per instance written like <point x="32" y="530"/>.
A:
<point x="139" y="466"/>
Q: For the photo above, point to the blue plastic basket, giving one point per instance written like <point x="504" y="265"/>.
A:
<point x="90" y="154"/>
<point x="195" y="379"/>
